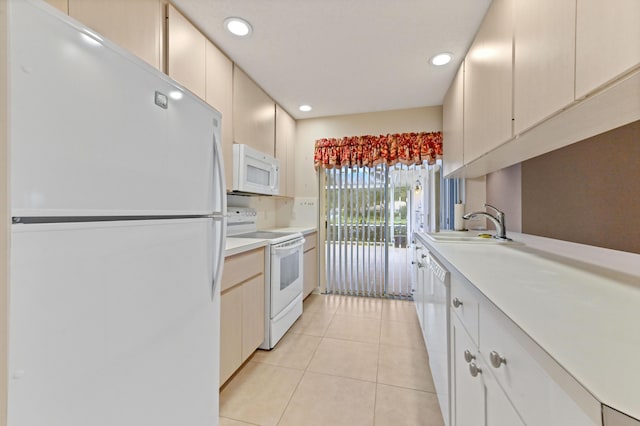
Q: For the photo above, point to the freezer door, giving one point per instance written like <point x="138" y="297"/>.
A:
<point x="96" y="131"/>
<point x="114" y="323"/>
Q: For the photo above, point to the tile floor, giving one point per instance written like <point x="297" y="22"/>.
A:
<point x="346" y="361"/>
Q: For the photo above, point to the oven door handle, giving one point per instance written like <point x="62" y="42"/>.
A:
<point x="278" y="251"/>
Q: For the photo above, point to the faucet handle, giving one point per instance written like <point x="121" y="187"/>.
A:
<point x="494" y="208"/>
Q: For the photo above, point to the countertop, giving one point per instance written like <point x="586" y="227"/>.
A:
<point x="240" y="245"/>
<point x="580" y="303"/>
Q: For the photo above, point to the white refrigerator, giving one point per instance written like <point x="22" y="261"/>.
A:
<point x="117" y="240"/>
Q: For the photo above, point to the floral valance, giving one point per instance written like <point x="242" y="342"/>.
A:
<point x="369" y="151"/>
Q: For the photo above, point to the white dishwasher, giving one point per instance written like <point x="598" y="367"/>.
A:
<point x="436" y="330"/>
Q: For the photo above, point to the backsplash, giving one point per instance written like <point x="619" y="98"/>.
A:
<point x="265" y="208"/>
<point x="586" y="192"/>
<point x="300" y="211"/>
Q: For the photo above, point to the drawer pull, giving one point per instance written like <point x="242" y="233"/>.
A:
<point x="468" y="356"/>
<point x="496" y="359"/>
<point x="457" y="303"/>
<point x="424" y="256"/>
<point x="474" y="370"/>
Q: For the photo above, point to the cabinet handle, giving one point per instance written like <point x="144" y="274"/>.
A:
<point x="420" y="265"/>
<point x="457" y="303"/>
<point x="496" y="359"/>
<point x="424" y="256"/>
<point x="474" y="369"/>
<point x="468" y="356"/>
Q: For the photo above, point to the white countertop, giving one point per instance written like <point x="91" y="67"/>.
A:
<point x="580" y="303"/>
<point x="239" y="245"/>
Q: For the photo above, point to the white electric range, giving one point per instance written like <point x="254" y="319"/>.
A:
<point x="283" y="272"/>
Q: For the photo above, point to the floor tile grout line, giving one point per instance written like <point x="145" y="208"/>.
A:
<point x="409" y="389"/>
<point x="238" y="420"/>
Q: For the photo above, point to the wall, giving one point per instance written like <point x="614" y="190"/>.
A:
<point x="399" y="121"/>
<point x="587" y="192"/>
<point x="4" y="215"/>
<point x="302" y="210"/>
<point x="504" y="192"/>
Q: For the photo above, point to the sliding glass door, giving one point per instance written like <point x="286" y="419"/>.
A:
<point x="368" y="228"/>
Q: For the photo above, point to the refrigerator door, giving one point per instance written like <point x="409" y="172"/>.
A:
<point x="90" y="134"/>
<point x="116" y="326"/>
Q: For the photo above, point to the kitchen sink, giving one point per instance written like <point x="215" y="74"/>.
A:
<point x="464" y="237"/>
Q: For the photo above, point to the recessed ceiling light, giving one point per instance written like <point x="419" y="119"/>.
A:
<point x="305" y="108"/>
<point x="238" y="26"/>
<point x="441" y="59"/>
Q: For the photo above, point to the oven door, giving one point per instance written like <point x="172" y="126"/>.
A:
<point x="286" y="274"/>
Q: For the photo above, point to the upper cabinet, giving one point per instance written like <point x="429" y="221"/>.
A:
<point x="185" y="53"/>
<point x="544" y="34"/>
<point x="488" y="83"/>
<point x="253" y="114"/>
<point x="285" y="143"/>
<point x="219" y="94"/>
<point x="607" y="41"/>
<point x="134" y="25"/>
<point x="452" y="125"/>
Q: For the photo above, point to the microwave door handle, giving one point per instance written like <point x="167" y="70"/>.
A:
<point x="275" y="174"/>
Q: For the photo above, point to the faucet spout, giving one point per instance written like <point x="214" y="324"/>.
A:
<point x="498" y="221"/>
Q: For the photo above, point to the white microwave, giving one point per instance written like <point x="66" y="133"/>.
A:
<point x="254" y="172"/>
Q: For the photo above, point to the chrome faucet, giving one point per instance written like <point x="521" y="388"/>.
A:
<point x="498" y="221"/>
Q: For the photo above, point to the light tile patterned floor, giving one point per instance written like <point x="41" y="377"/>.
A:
<point x="346" y="361"/>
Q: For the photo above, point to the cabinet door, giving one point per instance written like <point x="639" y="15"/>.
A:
<point x="500" y="412"/>
<point x="310" y="265"/>
<point x="185" y="52"/>
<point x="468" y="393"/>
<point x="219" y="94"/>
<point x="253" y="114"/>
<point x="252" y="315"/>
<point x="607" y="41"/>
<point x="134" y="25"/>
<point x="544" y="59"/>
<point x="285" y="142"/>
<point x="230" y="332"/>
<point x="488" y="83"/>
<point x="453" y="124"/>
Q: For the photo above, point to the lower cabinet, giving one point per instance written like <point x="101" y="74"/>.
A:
<point x="310" y="264"/>
<point x="242" y="315"/>
<point x="479" y="400"/>
<point x="500" y="376"/>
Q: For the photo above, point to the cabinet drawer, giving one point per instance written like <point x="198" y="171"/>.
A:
<point x="310" y="241"/>
<point x="534" y="390"/>
<point x="241" y="267"/>
<point x="464" y="302"/>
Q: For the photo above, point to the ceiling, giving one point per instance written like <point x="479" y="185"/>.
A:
<point x="344" y="56"/>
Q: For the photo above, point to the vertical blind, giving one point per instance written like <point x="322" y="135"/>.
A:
<point x="368" y="229"/>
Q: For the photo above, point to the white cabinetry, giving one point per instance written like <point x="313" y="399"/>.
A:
<point x="453" y="124"/>
<point x="488" y="80"/>
<point x="479" y="399"/>
<point x="607" y="41"/>
<point x="501" y="376"/>
<point x="419" y="272"/>
<point x="544" y="36"/>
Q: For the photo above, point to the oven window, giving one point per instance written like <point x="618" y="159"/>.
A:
<point x="289" y="269"/>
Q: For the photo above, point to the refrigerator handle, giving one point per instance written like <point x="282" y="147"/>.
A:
<point x="222" y="193"/>
<point x="219" y="263"/>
